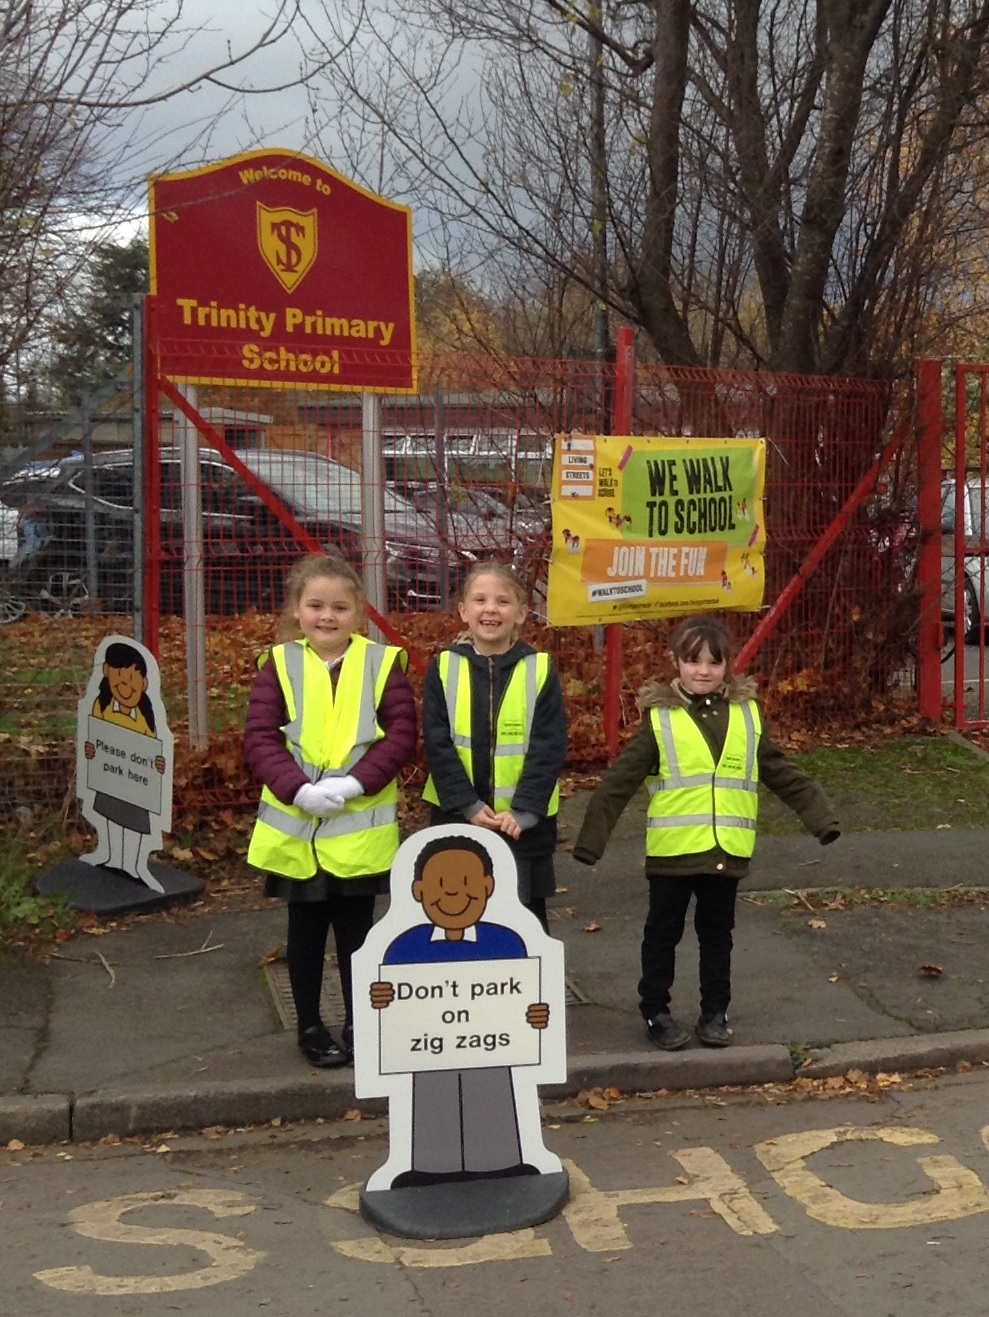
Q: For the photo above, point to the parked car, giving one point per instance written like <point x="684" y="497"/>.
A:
<point x="476" y="520"/>
<point x="247" y="549"/>
<point x="325" y="498"/>
<point x="975" y="507"/>
<point x="8" y="537"/>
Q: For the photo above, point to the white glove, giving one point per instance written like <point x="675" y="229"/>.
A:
<point x="347" y="788"/>
<point x="321" y="799"/>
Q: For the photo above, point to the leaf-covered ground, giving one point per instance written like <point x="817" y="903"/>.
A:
<point x="867" y="761"/>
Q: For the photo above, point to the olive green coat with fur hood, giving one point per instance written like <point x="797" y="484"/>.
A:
<point x="640" y="759"/>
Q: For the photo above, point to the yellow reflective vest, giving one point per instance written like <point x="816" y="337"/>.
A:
<point x="696" y="805"/>
<point x="513" y="726"/>
<point x="327" y="732"/>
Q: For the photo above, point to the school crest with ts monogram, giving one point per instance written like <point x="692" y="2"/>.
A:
<point x="287" y="240"/>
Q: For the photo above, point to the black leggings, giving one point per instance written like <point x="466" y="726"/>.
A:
<point x="714" y="919"/>
<point x="308" y="925"/>
<point x="538" y="907"/>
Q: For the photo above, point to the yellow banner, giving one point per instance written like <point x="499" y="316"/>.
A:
<point x="653" y="527"/>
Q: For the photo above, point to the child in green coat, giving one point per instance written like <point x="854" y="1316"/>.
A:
<point x="702" y="750"/>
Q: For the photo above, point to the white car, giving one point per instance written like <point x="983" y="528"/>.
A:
<point x="8" y="535"/>
<point x="976" y="585"/>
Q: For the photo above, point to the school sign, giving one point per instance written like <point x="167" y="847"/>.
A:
<point x="272" y="270"/>
<point x="655" y="527"/>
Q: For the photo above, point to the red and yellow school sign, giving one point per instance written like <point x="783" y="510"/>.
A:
<point x="652" y="527"/>
<point x="271" y="269"/>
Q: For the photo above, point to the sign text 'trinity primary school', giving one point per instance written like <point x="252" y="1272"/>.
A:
<point x="271" y="269"/>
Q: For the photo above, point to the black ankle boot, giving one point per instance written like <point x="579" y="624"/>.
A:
<point x="320" y="1048"/>
<point x="713" y="1030"/>
<point x="664" y="1031"/>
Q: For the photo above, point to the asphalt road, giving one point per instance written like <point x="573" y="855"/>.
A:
<point x="699" y="1204"/>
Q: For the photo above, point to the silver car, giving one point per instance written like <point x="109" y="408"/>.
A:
<point x="975" y="507"/>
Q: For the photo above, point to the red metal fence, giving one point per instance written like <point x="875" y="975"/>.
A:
<point x="467" y="465"/>
<point x="953" y="571"/>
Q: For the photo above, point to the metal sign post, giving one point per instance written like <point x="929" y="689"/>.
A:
<point x="193" y="594"/>
<point x="373" y="508"/>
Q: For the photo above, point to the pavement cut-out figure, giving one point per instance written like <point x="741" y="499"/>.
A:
<point x="469" y="1117"/>
<point x="124" y="783"/>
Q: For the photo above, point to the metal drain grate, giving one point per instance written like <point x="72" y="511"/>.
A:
<point x="330" y="999"/>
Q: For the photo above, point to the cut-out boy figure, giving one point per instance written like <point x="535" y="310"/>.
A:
<point x="465" y="1124"/>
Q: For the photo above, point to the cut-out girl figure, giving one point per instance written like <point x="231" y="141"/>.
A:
<point x="123" y="700"/>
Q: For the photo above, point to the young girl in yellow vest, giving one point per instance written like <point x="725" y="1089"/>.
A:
<point x="702" y="750"/>
<point x="330" y="724"/>
<point x="495" y="731"/>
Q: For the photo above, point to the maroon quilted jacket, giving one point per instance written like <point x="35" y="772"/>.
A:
<point x="269" y="760"/>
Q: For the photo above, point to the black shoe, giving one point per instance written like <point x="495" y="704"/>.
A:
<point x="713" y="1030"/>
<point x="664" y="1031"/>
<point x="347" y="1038"/>
<point x="320" y="1048"/>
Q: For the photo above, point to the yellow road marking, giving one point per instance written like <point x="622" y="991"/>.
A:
<point x="959" y="1193"/>
<point x="231" y="1258"/>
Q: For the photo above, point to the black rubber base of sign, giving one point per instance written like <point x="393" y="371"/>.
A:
<point x="108" y="891"/>
<point x="459" y="1209"/>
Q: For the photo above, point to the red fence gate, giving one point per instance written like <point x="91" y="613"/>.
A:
<point x="953" y="496"/>
<point x="467" y="465"/>
<point x="467" y="473"/>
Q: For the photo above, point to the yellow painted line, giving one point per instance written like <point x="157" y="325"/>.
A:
<point x="230" y="1257"/>
<point x="960" y="1192"/>
<point x="509" y="1247"/>
<point x="593" y="1217"/>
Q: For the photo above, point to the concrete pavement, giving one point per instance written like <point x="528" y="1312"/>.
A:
<point x="140" y="1030"/>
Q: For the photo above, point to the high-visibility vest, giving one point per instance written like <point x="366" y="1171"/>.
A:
<point x="326" y="734"/>
<point x="513" y="727"/>
<point x="696" y="805"/>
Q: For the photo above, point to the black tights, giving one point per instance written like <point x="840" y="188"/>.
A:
<point x="538" y="907"/>
<point x="714" y="919"/>
<point x="308" y="925"/>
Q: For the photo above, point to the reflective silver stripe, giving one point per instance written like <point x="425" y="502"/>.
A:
<point x="374" y="657"/>
<point x="699" y="780"/>
<point x="341" y="825"/>
<point x="701" y="821"/>
<point x="451" y="688"/>
<point x="293" y="729"/>
<point x="682" y="821"/>
<point x="674" y="778"/>
<point x="303" y="829"/>
<point x="750" y="741"/>
<point x="531" y="662"/>
<point x="288" y="824"/>
<point x="514" y="749"/>
<point x="736" y="783"/>
<point x="506" y="793"/>
<point x="293" y="655"/>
